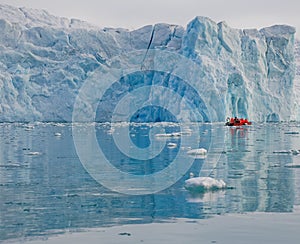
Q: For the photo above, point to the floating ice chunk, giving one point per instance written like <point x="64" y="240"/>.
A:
<point x="174" y="134"/>
<point x="198" y="153"/>
<point x="172" y="145"/>
<point x="29" y="127"/>
<point x="33" y="153"/>
<point x="202" y="184"/>
<point x="11" y="165"/>
<point x="58" y="124"/>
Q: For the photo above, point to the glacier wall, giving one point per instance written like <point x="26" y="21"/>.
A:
<point x="45" y="60"/>
<point x="296" y="115"/>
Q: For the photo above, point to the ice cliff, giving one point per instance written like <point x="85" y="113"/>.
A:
<point x="44" y="61"/>
<point x="297" y="81"/>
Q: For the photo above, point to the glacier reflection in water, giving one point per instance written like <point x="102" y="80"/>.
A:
<point x="45" y="189"/>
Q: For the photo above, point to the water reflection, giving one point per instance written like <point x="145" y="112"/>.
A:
<point x="49" y="191"/>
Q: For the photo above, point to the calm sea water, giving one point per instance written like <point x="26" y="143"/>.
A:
<point x="45" y="189"/>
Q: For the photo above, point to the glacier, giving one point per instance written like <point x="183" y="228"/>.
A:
<point x="45" y="60"/>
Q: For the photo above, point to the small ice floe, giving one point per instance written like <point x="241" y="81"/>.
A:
<point x="33" y="153"/>
<point x="174" y="134"/>
<point x="57" y="134"/>
<point x="58" y="124"/>
<point x="198" y="153"/>
<point x="29" y="127"/>
<point x="10" y="165"/>
<point x="203" y="184"/>
<point x="172" y="145"/>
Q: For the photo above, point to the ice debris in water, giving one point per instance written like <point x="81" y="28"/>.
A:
<point x="33" y="153"/>
<point x="198" y="151"/>
<point x="29" y="127"/>
<point x="174" y="134"/>
<point x="172" y="145"/>
<point x="202" y="184"/>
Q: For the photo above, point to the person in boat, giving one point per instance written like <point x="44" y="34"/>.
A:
<point x="229" y="121"/>
<point x="236" y="120"/>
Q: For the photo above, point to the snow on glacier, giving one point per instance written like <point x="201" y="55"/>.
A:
<point x="45" y="60"/>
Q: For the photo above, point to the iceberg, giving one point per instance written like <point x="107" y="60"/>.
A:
<point x="45" y="60"/>
<point x="202" y="184"/>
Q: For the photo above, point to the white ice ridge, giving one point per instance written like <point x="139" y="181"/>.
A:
<point x="202" y="184"/>
<point x="45" y="60"/>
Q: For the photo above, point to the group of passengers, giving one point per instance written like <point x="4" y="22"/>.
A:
<point x="236" y="121"/>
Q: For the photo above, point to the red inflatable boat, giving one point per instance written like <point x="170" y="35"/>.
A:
<point x="237" y="122"/>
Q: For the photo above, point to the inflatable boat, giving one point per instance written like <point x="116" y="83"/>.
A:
<point x="237" y="122"/>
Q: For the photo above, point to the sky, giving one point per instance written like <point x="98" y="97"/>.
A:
<point x="132" y="14"/>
